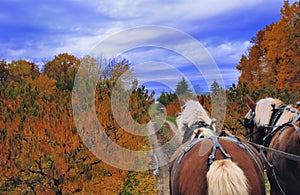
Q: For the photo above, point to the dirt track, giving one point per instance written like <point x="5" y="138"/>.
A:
<point x="163" y="150"/>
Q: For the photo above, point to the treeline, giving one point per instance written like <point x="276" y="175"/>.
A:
<point x="41" y="151"/>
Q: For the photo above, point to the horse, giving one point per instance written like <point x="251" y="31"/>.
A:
<point x="275" y="125"/>
<point x="194" y="122"/>
<point x="210" y="164"/>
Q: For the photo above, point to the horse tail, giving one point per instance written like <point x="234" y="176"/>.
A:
<point x="225" y="177"/>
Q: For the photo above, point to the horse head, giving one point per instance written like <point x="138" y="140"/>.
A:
<point x="194" y="122"/>
<point x="257" y="119"/>
<point x="265" y="116"/>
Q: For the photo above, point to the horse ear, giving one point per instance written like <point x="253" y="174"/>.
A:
<point x="251" y="104"/>
<point x="201" y="99"/>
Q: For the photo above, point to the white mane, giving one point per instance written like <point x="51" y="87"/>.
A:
<point x="264" y="112"/>
<point x="287" y="115"/>
<point x="193" y="112"/>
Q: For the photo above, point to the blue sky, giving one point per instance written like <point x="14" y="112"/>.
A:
<point x="38" y="30"/>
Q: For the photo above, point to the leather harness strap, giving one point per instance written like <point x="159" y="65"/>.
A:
<point x="297" y="118"/>
<point x="179" y="157"/>
<point x="272" y="129"/>
<point x="216" y="145"/>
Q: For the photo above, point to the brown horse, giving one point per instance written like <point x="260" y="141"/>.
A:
<point x="275" y="125"/>
<point x="216" y="165"/>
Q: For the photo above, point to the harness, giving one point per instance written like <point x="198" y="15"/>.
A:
<point x="272" y="129"/>
<point x="297" y="118"/>
<point x="216" y="146"/>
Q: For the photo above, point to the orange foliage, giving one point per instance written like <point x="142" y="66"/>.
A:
<point x="173" y="108"/>
<point x="41" y="151"/>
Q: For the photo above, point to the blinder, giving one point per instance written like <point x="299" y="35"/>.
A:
<point x="249" y="124"/>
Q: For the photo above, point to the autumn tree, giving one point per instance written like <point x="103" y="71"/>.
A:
<point x="281" y="59"/>
<point x="20" y="70"/>
<point x="41" y="150"/>
<point x="63" y="69"/>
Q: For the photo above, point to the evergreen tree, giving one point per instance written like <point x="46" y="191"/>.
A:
<point x="165" y="98"/>
<point x="182" y="89"/>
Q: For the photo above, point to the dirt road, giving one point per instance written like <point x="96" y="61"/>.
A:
<point x="162" y="152"/>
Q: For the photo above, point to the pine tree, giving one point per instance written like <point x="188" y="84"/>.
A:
<point x="182" y="89"/>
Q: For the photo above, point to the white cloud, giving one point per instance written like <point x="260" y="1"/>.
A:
<point x="170" y="12"/>
<point x="229" y="52"/>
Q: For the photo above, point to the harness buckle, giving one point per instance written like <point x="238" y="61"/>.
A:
<point x="211" y="159"/>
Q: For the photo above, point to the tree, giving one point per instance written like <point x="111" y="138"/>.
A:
<point x="20" y="70"/>
<point x="182" y="89"/>
<point x="218" y="99"/>
<point x="63" y="69"/>
<point x="165" y="98"/>
<point x="277" y="42"/>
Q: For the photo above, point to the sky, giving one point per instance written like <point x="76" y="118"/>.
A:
<point x="164" y="41"/>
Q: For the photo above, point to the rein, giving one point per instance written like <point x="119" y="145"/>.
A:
<point x="266" y="149"/>
<point x="251" y="134"/>
<point x="271" y="150"/>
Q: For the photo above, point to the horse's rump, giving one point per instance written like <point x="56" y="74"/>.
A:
<point x="191" y="173"/>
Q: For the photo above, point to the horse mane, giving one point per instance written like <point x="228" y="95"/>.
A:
<point x="192" y="112"/>
<point x="264" y="112"/>
<point x="287" y="115"/>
